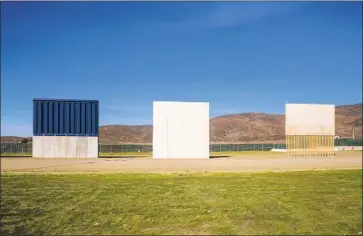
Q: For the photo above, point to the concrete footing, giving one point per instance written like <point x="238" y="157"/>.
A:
<point x="65" y="147"/>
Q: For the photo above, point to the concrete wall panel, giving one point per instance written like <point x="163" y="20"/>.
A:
<point x="92" y="151"/>
<point x="180" y="130"/>
<point x="309" y="119"/>
<point x="71" y="147"/>
<point x="37" y="146"/>
<point x="198" y="141"/>
<point x="60" y="143"/>
<point x="82" y="147"/>
<point x="48" y="146"/>
<point x="65" y="147"/>
<point x="176" y="147"/>
<point x="160" y="130"/>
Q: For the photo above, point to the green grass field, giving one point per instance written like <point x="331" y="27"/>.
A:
<point x="321" y="202"/>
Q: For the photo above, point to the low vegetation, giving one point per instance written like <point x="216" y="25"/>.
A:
<point x="314" y="202"/>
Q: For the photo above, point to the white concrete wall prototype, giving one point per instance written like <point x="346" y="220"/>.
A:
<point x="309" y="119"/>
<point x="65" y="147"/>
<point x="180" y="130"/>
<point x="160" y="130"/>
<point x="71" y="147"/>
<point x="92" y="151"/>
<point x="37" y="146"/>
<point x="49" y="147"/>
<point x="60" y="143"/>
<point x="82" y="146"/>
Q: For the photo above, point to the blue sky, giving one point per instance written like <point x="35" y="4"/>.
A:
<point x="239" y="56"/>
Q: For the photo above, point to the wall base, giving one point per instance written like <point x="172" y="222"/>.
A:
<point x="65" y="147"/>
<point x="309" y="145"/>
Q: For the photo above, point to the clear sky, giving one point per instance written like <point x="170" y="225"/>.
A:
<point x="240" y="56"/>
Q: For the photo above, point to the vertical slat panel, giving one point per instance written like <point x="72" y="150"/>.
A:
<point x="93" y="116"/>
<point x="76" y="118"/>
<point x="45" y="118"/>
<point x="83" y="118"/>
<point x="56" y="117"/>
<point x="50" y="118"/>
<point x="72" y="118"/>
<point x="88" y="118"/>
<point x="66" y="118"/>
<point x="34" y="117"/>
<point x="80" y="119"/>
<point x="61" y="118"/>
<point x="96" y="119"/>
<point x="39" y="118"/>
<point x="69" y="115"/>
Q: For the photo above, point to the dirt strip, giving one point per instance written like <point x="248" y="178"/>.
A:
<point x="253" y="163"/>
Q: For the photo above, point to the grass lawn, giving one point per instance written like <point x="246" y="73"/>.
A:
<point x="321" y="202"/>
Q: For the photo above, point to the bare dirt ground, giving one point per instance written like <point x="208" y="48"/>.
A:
<point x="245" y="163"/>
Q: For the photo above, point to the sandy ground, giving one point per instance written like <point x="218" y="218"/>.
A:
<point x="247" y="163"/>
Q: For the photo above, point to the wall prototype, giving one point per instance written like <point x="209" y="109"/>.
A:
<point x="180" y="130"/>
<point x="65" y="128"/>
<point x="309" y="129"/>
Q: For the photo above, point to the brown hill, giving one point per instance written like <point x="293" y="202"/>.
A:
<point x="247" y="127"/>
<point x="112" y="134"/>
<point x="348" y="121"/>
<point x="13" y="139"/>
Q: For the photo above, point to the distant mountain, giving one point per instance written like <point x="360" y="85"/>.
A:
<point x="246" y="127"/>
<point x="13" y="139"/>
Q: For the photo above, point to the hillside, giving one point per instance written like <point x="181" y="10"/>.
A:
<point x="247" y="127"/>
<point x="12" y="139"/>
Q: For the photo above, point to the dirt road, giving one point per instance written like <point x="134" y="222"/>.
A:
<point x="255" y="163"/>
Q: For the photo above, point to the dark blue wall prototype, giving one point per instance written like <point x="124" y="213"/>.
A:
<point x="54" y="117"/>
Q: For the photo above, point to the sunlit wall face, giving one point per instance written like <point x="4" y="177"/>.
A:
<point x="180" y="130"/>
<point x="309" y="129"/>
<point x="309" y="119"/>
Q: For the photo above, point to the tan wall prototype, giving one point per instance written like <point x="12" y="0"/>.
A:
<point x="309" y="129"/>
<point x="309" y="119"/>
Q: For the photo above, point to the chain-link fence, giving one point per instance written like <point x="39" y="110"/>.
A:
<point x="348" y="142"/>
<point x="22" y="149"/>
<point x="116" y="148"/>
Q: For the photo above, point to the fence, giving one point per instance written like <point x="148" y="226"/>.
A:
<point x="26" y="149"/>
